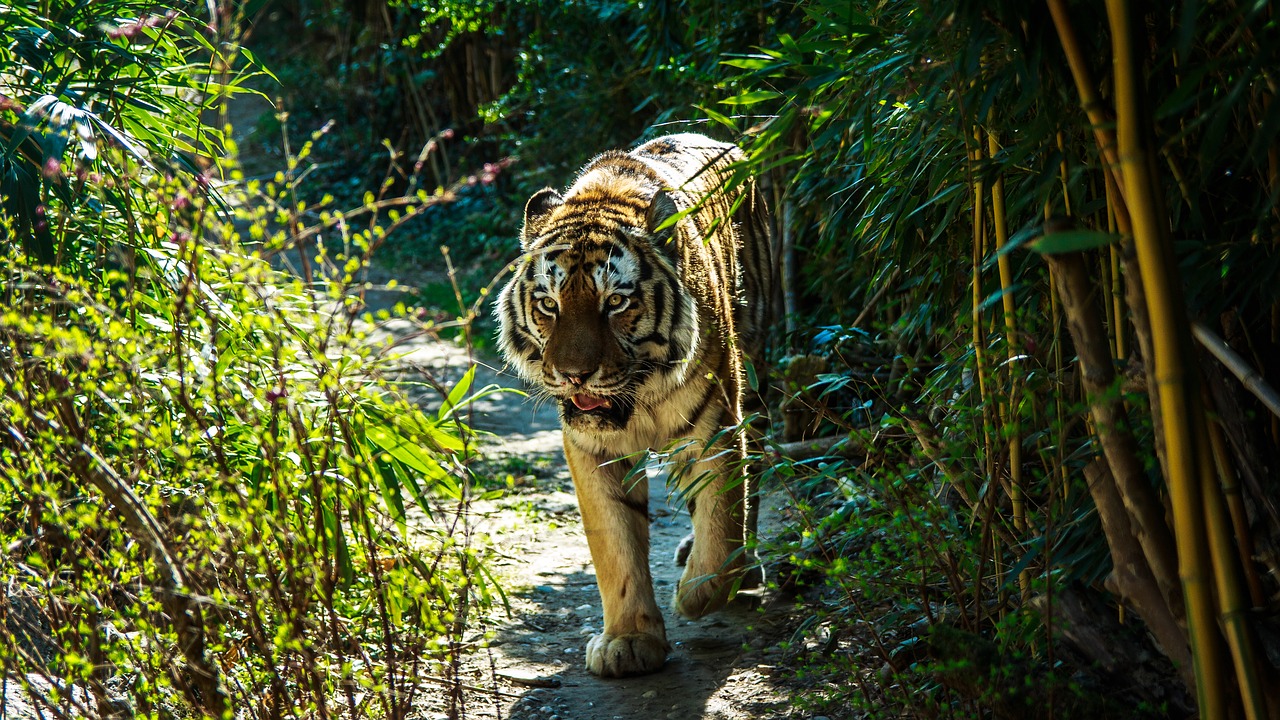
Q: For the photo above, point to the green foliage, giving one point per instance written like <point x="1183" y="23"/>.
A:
<point x="877" y="109"/>
<point x="546" y="84"/>
<point x="93" y="92"/>
<point x="213" y="499"/>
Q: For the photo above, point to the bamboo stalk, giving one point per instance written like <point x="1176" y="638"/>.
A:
<point x="1252" y="379"/>
<point x="1003" y="264"/>
<point x="1235" y="506"/>
<point x="1005" y="268"/>
<point x="1180" y="407"/>
<point x="1117" y="303"/>
<point x="1012" y="428"/>
<point x="1135" y="293"/>
<point x="1090" y="101"/>
<point x="1232" y="611"/>
<point x="979" y="232"/>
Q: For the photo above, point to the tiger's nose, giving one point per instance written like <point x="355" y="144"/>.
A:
<point x="577" y="377"/>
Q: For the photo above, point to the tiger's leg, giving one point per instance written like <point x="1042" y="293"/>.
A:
<point x="615" y="520"/>
<point x="714" y="488"/>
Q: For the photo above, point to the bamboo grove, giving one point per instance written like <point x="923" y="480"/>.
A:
<point x="1066" y="214"/>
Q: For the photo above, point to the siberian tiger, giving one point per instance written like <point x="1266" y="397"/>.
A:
<point x="640" y="330"/>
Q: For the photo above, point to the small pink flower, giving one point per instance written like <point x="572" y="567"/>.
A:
<point x="447" y="133"/>
<point x="52" y="169"/>
<point x="487" y="178"/>
<point x="180" y="203"/>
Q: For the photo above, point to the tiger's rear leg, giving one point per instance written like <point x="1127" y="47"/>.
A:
<point x="753" y="576"/>
<point x="714" y="563"/>
<point x="756" y="410"/>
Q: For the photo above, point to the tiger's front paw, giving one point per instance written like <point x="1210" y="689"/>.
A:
<point x="617" y="656"/>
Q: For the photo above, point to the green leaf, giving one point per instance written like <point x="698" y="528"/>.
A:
<point x="751" y="98"/>
<point x="341" y="553"/>
<point x="1073" y="241"/>
<point x="391" y="493"/>
<point x="456" y="394"/>
<point x="753" y="380"/>
<point x="413" y="456"/>
<point x="719" y="118"/>
<point x="750" y="63"/>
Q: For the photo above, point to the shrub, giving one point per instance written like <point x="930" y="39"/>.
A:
<point x="214" y="497"/>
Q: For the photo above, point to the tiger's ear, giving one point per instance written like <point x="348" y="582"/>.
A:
<point x="660" y="208"/>
<point x="536" y="214"/>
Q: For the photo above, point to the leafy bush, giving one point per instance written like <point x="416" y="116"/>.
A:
<point x="214" y="498"/>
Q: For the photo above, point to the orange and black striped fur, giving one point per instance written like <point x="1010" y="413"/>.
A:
<point x="639" y="330"/>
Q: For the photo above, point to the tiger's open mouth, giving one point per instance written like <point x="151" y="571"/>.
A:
<point x="587" y="403"/>
<point x="586" y="410"/>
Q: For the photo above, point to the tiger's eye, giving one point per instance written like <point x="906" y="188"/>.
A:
<point x="616" y="301"/>
<point x="548" y="303"/>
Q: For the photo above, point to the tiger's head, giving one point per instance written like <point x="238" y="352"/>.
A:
<point x="595" y="310"/>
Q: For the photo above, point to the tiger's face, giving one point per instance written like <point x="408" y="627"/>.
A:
<point x="594" y="316"/>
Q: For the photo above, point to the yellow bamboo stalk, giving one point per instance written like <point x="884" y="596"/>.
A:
<point x="1105" y="137"/>
<point x="1239" y="516"/>
<point x="979" y="232"/>
<point x="1089" y="98"/>
<point x="1232" y="609"/>
<point x="1117" y="298"/>
<point x="1005" y="267"/>
<point x="1171" y="337"/>
<point x="1017" y="494"/>
<point x="1062" y="174"/>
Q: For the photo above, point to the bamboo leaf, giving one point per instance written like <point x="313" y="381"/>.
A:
<point x="751" y="98"/>
<point x="337" y="544"/>
<point x="758" y="62"/>
<point x="413" y="456"/>
<point x="456" y="394"/>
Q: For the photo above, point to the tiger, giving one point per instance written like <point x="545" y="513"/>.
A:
<point x="640" y="306"/>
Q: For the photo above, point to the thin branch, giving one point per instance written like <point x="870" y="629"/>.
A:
<point x="1251" y="378"/>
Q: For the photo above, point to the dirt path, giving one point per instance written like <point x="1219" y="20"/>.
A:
<point x="721" y="667"/>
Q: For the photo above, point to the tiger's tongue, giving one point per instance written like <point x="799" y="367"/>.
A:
<point x="590" y="402"/>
